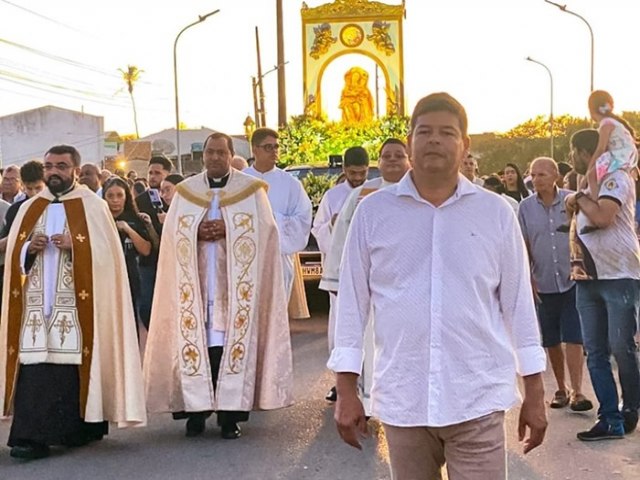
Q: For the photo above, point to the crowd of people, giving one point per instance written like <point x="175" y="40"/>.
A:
<point x="427" y="340"/>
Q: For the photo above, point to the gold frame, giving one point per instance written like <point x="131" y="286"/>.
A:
<point x="360" y="13"/>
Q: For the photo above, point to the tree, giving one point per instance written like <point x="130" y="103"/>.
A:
<point x="131" y="76"/>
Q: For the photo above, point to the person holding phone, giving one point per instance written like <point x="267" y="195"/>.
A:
<point x="150" y="203"/>
<point x="132" y="230"/>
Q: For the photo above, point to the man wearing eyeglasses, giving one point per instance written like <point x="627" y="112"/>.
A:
<point x="69" y="358"/>
<point x="290" y="204"/>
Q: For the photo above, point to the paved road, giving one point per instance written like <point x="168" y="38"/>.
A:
<point x="300" y="443"/>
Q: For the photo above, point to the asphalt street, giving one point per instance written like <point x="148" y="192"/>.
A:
<point x="301" y="442"/>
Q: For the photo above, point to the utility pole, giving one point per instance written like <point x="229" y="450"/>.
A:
<point x="282" y="94"/>
<point x="263" y="113"/>
<point x="256" y="108"/>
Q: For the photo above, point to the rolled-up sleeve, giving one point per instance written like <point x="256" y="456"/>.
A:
<point x="516" y="301"/>
<point x="354" y="300"/>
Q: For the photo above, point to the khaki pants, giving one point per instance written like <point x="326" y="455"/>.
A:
<point x="473" y="450"/>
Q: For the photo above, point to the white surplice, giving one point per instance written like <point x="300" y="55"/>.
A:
<point x="292" y="211"/>
<point x="54" y="225"/>
<point x="330" y="206"/>
<point x="215" y="338"/>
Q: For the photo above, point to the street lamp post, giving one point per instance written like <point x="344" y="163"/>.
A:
<point x="529" y="59"/>
<point x="256" y="83"/>
<point x="566" y="10"/>
<point x="201" y="18"/>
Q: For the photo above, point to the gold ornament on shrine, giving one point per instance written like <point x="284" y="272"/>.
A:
<point x="367" y="28"/>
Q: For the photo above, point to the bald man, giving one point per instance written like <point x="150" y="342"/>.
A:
<point x="540" y="216"/>
<point x="239" y="163"/>
<point x="90" y="176"/>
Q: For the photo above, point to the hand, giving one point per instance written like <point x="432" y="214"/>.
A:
<point x="38" y="243"/>
<point x="211" y="230"/>
<point x="62" y="241"/>
<point x="350" y="419"/>
<point x="533" y="415"/>
<point x="123" y="226"/>
<point x="146" y="219"/>
<point x="161" y="216"/>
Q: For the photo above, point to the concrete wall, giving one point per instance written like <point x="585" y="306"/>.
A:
<point x="27" y="135"/>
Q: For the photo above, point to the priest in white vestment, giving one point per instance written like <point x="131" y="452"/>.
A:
<point x="219" y="337"/>
<point x="393" y="163"/>
<point x="290" y="204"/>
<point x="70" y="360"/>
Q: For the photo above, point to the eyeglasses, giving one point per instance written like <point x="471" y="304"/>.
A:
<point x="269" y="147"/>
<point x="63" y="167"/>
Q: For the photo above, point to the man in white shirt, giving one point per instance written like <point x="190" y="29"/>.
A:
<point x="451" y="331"/>
<point x="469" y="169"/>
<point x="290" y="204"/>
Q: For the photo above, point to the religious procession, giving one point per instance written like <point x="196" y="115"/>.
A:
<point x="462" y="297"/>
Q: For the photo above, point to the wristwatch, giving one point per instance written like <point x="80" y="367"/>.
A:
<point x="578" y="196"/>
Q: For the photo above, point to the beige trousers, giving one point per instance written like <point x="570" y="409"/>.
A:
<point x="473" y="450"/>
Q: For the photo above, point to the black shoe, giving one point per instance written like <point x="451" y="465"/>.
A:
<point x="231" y="431"/>
<point x="332" y="395"/>
<point x="195" y="425"/>
<point x="33" y="451"/>
<point x="630" y="420"/>
<point x="602" y="431"/>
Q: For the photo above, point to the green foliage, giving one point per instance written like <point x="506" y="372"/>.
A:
<point x="309" y="141"/>
<point x="526" y="141"/>
<point x="316" y="186"/>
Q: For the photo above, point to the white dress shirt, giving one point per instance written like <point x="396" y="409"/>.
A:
<point x="454" y="318"/>
<point x="330" y="205"/>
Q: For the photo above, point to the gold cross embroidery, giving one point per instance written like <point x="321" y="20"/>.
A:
<point x="64" y="327"/>
<point x="86" y="351"/>
<point x="34" y="323"/>
<point x="16" y="293"/>
<point x="80" y="238"/>
<point x="83" y="294"/>
<point x="11" y="351"/>
<point x="23" y="235"/>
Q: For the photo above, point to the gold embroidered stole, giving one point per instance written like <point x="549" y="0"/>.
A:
<point x="24" y="313"/>
<point x="239" y="212"/>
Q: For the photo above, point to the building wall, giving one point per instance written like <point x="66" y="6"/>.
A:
<point x="27" y="135"/>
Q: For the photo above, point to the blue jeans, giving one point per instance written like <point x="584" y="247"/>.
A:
<point x="608" y="315"/>
<point x="147" y="284"/>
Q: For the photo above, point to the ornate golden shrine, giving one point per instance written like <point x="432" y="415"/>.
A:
<point x="364" y="27"/>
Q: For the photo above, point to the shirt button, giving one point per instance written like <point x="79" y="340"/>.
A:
<point x="554" y="247"/>
<point x="552" y="234"/>
<point x="557" y="274"/>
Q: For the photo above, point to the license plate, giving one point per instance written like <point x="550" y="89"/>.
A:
<point x="312" y="270"/>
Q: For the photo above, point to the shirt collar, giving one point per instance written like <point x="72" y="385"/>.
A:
<point x="406" y="188"/>
<point x="556" y="199"/>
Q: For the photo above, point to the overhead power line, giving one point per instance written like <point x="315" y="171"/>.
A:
<point x="44" y="17"/>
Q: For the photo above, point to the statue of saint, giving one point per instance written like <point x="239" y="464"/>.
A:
<point x="356" y="101"/>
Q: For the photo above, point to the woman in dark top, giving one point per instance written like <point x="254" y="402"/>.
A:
<point x="513" y="183"/>
<point x="133" y="233"/>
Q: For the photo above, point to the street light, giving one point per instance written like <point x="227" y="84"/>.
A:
<point x="257" y="86"/>
<point x="201" y="18"/>
<point x="529" y="59"/>
<point x="564" y="9"/>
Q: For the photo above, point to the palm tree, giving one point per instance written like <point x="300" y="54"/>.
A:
<point x="131" y="76"/>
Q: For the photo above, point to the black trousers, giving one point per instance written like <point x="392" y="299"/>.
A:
<point x="47" y="407"/>
<point x="225" y="417"/>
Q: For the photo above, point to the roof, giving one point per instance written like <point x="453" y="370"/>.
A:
<point x="49" y="108"/>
